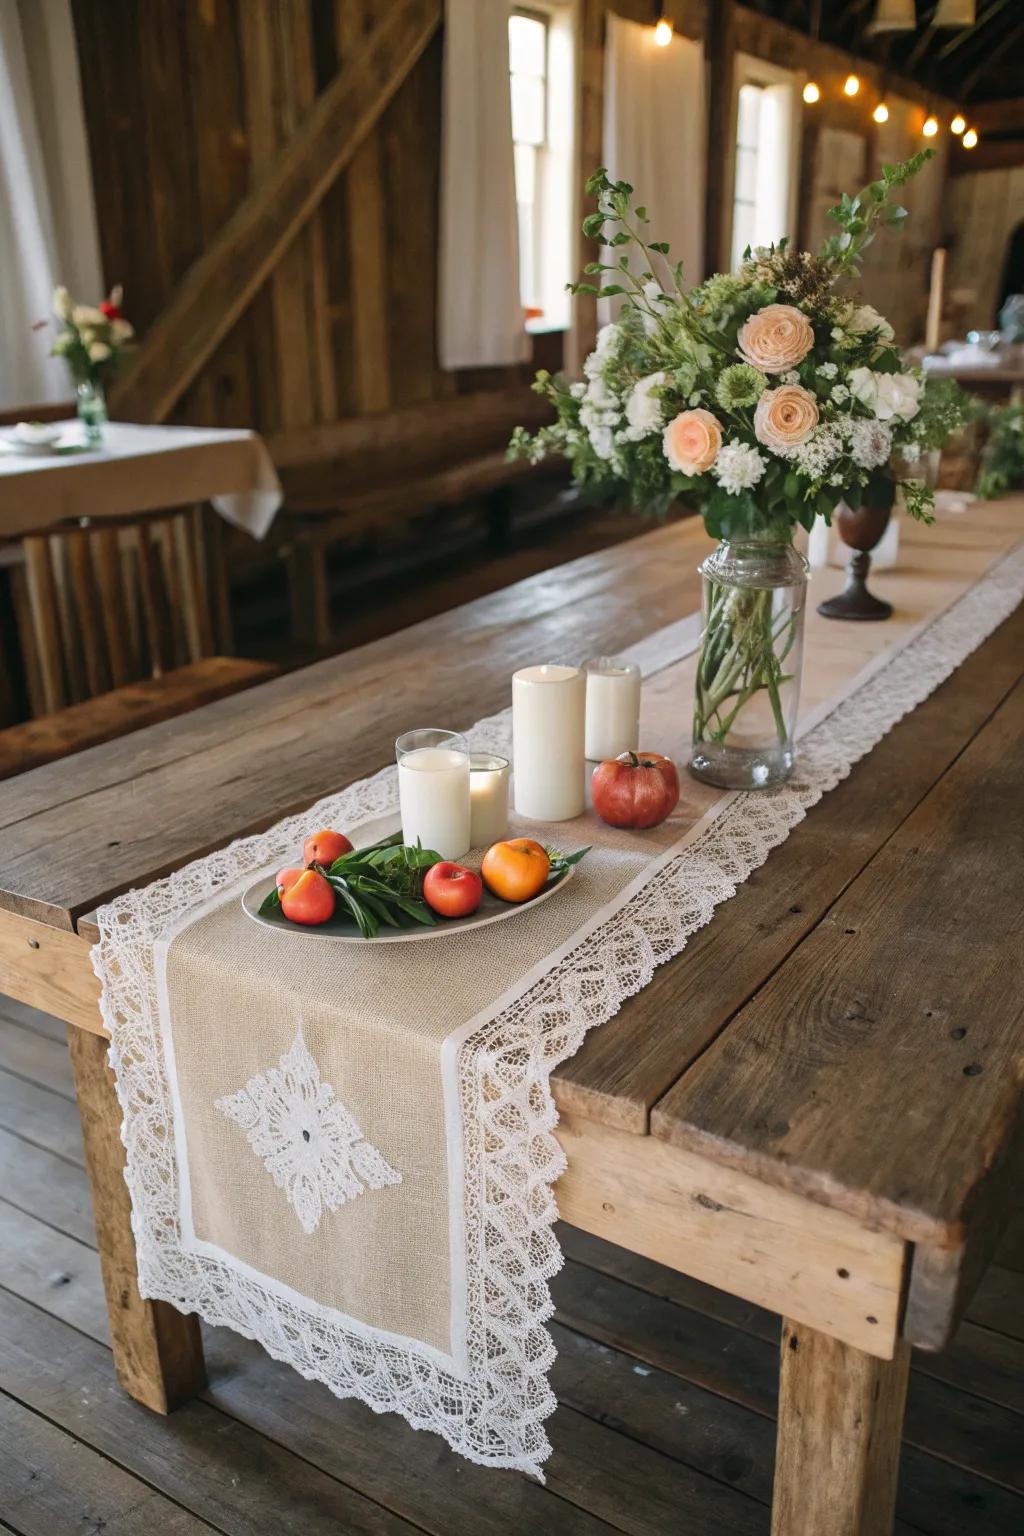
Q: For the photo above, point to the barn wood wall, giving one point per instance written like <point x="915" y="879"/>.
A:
<point x="187" y="100"/>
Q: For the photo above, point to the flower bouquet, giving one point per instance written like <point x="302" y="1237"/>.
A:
<point x="92" y="341"/>
<point x="767" y="394"/>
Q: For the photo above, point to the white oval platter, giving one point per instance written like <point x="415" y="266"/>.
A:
<point x="343" y="930"/>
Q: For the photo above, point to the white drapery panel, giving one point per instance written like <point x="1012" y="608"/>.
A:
<point x="654" y="134"/>
<point x="47" y="215"/>
<point x="480" y="319"/>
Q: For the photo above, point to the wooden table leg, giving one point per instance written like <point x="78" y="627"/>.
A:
<point x="840" y="1421"/>
<point x="158" y="1351"/>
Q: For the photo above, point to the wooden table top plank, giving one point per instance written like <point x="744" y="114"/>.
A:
<point x="74" y="833"/>
<point x="624" y="1067"/>
<point x="879" y="1070"/>
<point x="652" y="577"/>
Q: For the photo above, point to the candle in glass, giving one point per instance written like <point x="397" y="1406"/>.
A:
<point x="613" y="708"/>
<point x="488" y="799"/>
<point x="433" y="791"/>
<point x="548" y="707"/>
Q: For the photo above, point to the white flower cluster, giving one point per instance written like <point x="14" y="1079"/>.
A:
<point x="870" y="443"/>
<point x="643" y="408"/>
<point x="738" y="468"/>
<point x="816" y="456"/>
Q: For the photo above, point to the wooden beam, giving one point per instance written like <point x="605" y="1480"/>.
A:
<point x="990" y="155"/>
<point x="776" y="1250"/>
<point x="220" y="284"/>
<point x="999" y="116"/>
<point x="721" y="54"/>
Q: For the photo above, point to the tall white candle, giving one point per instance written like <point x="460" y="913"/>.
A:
<point x="433" y="791"/>
<point x="613" y="708"/>
<point x="548" y="708"/>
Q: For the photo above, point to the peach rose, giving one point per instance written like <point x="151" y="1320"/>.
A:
<point x="785" y="417"/>
<point x="691" y="441"/>
<point x="776" y="338"/>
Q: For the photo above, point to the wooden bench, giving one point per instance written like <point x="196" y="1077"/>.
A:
<point x="357" y="476"/>
<point x="126" y="709"/>
<point x="115" y="629"/>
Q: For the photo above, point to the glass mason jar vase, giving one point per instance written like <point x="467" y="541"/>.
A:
<point x="92" y="411"/>
<point x="748" y="669"/>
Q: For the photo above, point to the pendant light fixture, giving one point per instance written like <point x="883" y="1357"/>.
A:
<point x="851" y="85"/>
<point x="931" y="126"/>
<point x="894" y="16"/>
<point x="955" y="13"/>
<point x="970" y="138"/>
<point x="958" y="124"/>
<point x="812" y="92"/>
<point x="881" y="113"/>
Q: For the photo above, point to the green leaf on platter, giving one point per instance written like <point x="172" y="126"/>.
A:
<point x="561" y="863"/>
<point x="271" y="903"/>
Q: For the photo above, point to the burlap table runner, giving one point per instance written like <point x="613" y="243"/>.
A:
<point x="346" y="1152"/>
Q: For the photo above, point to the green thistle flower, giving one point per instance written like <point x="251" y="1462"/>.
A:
<point x="740" y="385"/>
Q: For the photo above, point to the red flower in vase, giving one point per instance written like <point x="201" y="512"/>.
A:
<point x="112" y="311"/>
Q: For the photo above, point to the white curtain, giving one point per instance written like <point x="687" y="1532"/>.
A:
<point x="480" y="320"/>
<point x="654" y="133"/>
<point x="47" y="215"/>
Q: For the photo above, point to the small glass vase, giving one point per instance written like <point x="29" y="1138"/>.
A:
<point x="92" y="411"/>
<point x="748" y="669"/>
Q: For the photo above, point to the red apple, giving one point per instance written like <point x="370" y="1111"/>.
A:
<point x="286" y="878"/>
<point x="309" y="901"/>
<point x="638" y="789"/>
<point x="324" y="847"/>
<point x="452" y="889"/>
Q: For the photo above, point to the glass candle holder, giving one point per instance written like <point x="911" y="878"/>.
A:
<point x="433" y="790"/>
<point x="613" y="708"/>
<point x="488" y="799"/>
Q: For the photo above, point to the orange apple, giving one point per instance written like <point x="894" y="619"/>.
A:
<point x="309" y="901"/>
<point x="515" y="870"/>
<point x="324" y="847"/>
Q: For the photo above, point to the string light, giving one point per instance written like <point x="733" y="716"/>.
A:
<point x="812" y="93"/>
<point x="662" y="28"/>
<point x="970" y="138"/>
<point x="851" y="85"/>
<point x="881" y="113"/>
<point x="958" y="124"/>
<point x="931" y="127"/>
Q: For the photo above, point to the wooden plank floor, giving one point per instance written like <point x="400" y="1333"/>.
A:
<point x="666" y="1391"/>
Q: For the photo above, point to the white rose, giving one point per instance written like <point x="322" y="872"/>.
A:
<point x="86" y="314"/>
<point x="865" y="318"/>
<point x="99" y="351"/>
<point x="898" y="395"/>
<point x="864" y="386"/>
<point x="62" y="303"/>
<point x="122" y="330"/>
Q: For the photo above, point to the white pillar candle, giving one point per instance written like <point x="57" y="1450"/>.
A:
<point x="488" y="799"/>
<point x="548" y="708"/>
<point x="433" y="791"/>
<point x="613" y="708"/>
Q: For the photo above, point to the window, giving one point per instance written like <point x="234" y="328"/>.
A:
<point x="541" y="79"/>
<point x="767" y="150"/>
<point x="528" y="68"/>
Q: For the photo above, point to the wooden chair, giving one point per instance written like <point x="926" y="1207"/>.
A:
<point x="115" y="627"/>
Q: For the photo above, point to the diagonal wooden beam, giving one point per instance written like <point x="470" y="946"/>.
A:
<point x="217" y="288"/>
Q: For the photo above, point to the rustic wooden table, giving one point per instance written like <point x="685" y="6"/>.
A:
<point x="816" y="1106"/>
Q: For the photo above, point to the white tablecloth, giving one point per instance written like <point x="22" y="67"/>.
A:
<point x="140" y="469"/>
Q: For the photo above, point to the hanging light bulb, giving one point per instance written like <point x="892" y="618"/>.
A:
<point x="970" y="138"/>
<point x="662" y="28"/>
<point x="931" y="127"/>
<point x="851" y="85"/>
<point x="812" y="93"/>
<point x="881" y="113"/>
<point x="958" y="124"/>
